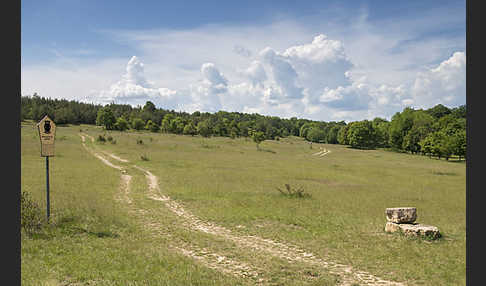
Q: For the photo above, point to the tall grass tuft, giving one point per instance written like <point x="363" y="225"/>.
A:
<point x="31" y="218"/>
<point x="101" y="138"/>
<point x="293" y="193"/>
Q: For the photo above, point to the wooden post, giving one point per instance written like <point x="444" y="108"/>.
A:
<point x="47" y="185"/>
<point x="47" y="132"/>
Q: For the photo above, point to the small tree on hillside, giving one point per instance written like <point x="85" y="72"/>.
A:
<point x="152" y="126"/>
<point x="234" y="132"/>
<point x="438" y="111"/>
<point x="381" y="127"/>
<point x="121" y="124"/>
<point x="304" y="129"/>
<point x="315" y="134"/>
<point x="460" y="143"/>
<point x="411" y="141"/>
<point x="436" y="143"/>
<point x="189" y="129"/>
<point x="177" y="125"/>
<point x="427" y="145"/>
<point x="332" y="135"/>
<point x="106" y="118"/>
<point x="342" y="136"/>
<point x="149" y="107"/>
<point x="165" y="124"/>
<point x="203" y="128"/>
<point x="137" y="124"/>
<point x="257" y="137"/>
<point x="399" y="126"/>
<point x="362" y="135"/>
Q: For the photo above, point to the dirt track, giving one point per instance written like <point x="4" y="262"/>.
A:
<point x="285" y="251"/>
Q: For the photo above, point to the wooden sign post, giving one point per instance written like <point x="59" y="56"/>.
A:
<point x="47" y="133"/>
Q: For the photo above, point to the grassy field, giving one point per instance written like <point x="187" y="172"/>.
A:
<point x="96" y="239"/>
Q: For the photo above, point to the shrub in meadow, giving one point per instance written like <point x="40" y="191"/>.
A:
<point x="31" y="218"/>
<point x="291" y="192"/>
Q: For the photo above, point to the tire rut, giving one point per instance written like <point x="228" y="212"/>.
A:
<point x="285" y="251"/>
<point x="205" y="256"/>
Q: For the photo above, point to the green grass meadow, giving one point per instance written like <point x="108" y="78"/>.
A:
<point x="93" y="239"/>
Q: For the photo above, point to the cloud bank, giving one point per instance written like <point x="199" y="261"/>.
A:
<point x="445" y="84"/>
<point x="354" y="72"/>
<point x="310" y="79"/>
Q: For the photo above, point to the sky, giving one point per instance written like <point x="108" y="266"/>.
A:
<point x="319" y="60"/>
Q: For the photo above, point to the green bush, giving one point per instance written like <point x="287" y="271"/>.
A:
<point x="31" y="218"/>
<point x="315" y="134"/>
<point x="106" y="118"/>
<point x="121" y="124"/>
<point x="152" y="126"/>
<point x="137" y="124"/>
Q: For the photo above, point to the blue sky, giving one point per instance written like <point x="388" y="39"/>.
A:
<point x="323" y="60"/>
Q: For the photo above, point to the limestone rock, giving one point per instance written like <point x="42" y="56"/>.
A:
<point x="401" y="215"/>
<point x="392" y="227"/>
<point x="421" y="229"/>
<point x="415" y="229"/>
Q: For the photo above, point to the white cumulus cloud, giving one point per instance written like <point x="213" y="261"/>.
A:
<point x="284" y="75"/>
<point x="445" y="84"/>
<point x="213" y="78"/>
<point x="135" y="89"/>
<point x="317" y="65"/>
<point x="255" y="73"/>
<point x="362" y="97"/>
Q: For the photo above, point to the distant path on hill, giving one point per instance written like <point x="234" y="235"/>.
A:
<point x="285" y="251"/>
<point x="322" y="152"/>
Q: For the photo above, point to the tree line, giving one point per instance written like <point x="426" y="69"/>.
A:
<point x="439" y="131"/>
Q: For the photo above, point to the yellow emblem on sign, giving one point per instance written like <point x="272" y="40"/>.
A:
<point x="47" y="133"/>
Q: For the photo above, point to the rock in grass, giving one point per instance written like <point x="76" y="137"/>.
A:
<point x="413" y="229"/>
<point x="392" y="227"/>
<point x="401" y="215"/>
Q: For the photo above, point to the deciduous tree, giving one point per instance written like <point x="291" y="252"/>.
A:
<point x="106" y="118"/>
